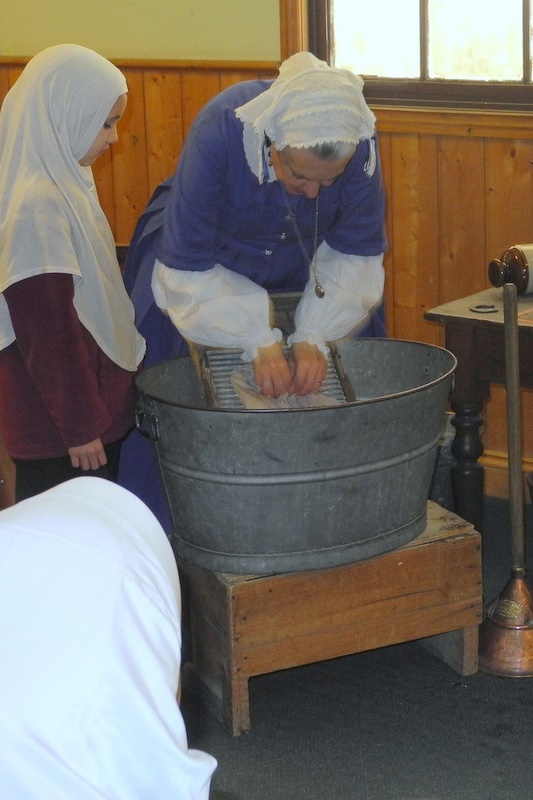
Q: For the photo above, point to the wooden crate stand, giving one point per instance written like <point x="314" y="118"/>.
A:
<point x="238" y="626"/>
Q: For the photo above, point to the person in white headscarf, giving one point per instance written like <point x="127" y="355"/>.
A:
<point x="278" y="189"/>
<point x="90" y="626"/>
<point x="69" y="349"/>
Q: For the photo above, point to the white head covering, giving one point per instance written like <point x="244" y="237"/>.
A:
<point x="49" y="120"/>
<point x="310" y="103"/>
<point x="90" y="624"/>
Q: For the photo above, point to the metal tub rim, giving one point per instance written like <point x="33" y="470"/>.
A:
<point x="348" y="404"/>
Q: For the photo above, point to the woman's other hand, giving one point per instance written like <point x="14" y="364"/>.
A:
<point x="309" y="368"/>
<point x="88" y="456"/>
<point x="271" y="371"/>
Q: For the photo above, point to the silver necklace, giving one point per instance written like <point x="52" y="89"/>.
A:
<point x="311" y="262"/>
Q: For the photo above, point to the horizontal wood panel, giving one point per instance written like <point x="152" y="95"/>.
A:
<point x="457" y="122"/>
<point x="403" y="595"/>
<point x="395" y="623"/>
<point x="459" y="188"/>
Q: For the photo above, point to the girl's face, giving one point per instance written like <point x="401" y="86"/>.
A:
<point x="108" y="135"/>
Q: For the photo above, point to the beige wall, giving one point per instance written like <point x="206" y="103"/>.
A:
<point x="164" y="29"/>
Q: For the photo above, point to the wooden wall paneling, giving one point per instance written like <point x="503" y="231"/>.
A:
<point x="103" y="178"/>
<point x="509" y="221"/>
<point x="4" y="84"/>
<point x="388" y="261"/>
<point x="527" y="416"/>
<point x="509" y="211"/>
<point x="118" y="169"/>
<point x="164" y="123"/>
<point x="455" y="122"/>
<point x="509" y="194"/>
<point x="495" y="429"/>
<point x="415" y="235"/>
<point x="495" y="458"/>
<point x="8" y="75"/>
<point x="14" y="73"/>
<point x="461" y="178"/>
<point x="197" y="88"/>
<point x="230" y="77"/>
<point x="462" y="221"/>
<point x="495" y="433"/>
<point x="130" y="168"/>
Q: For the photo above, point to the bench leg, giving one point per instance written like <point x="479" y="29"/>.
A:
<point x="458" y="649"/>
<point x="236" y="710"/>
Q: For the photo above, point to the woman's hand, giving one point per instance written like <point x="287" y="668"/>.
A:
<point x="303" y="374"/>
<point x="271" y="371"/>
<point x="88" y="456"/>
<point x="309" y="368"/>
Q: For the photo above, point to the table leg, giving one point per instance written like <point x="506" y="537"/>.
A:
<point x="468" y="473"/>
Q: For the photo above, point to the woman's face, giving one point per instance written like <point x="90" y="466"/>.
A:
<point x="108" y="135"/>
<point x="301" y="172"/>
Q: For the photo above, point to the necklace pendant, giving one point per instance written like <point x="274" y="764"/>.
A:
<point x="319" y="291"/>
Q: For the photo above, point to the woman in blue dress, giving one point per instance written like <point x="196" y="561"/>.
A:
<point x="278" y="189"/>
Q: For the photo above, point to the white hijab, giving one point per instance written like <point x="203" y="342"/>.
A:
<point x="48" y="121"/>
<point x="309" y="103"/>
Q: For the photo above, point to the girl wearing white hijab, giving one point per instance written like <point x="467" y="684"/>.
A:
<point x="90" y="626"/>
<point x="68" y="346"/>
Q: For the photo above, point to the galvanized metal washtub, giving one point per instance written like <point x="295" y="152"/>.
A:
<point x="264" y="492"/>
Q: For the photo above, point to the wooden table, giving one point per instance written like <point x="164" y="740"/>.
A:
<point x="238" y="626"/>
<point x="474" y="333"/>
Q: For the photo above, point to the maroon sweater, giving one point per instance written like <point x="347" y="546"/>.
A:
<point x="57" y="388"/>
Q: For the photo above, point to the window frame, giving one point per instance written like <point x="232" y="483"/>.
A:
<point x="426" y="92"/>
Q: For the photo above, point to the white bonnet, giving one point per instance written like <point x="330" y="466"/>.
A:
<point x="309" y="103"/>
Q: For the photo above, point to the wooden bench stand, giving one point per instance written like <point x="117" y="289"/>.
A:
<point x="238" y="626"/>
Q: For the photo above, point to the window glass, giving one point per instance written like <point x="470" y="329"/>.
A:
<point x="475" y="40"/>
<point x="467" y="40"/>
<point x="381" y="37"/>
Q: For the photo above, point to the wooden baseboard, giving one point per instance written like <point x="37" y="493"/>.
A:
<point x="497" y="477"/>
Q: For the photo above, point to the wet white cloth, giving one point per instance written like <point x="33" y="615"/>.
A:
<point x="90" y="625"/>
<point x="50" y="216"/>
<point x="219" y="308"/>
<point x="248" y="392"/>
<point x="309" y="103"/>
